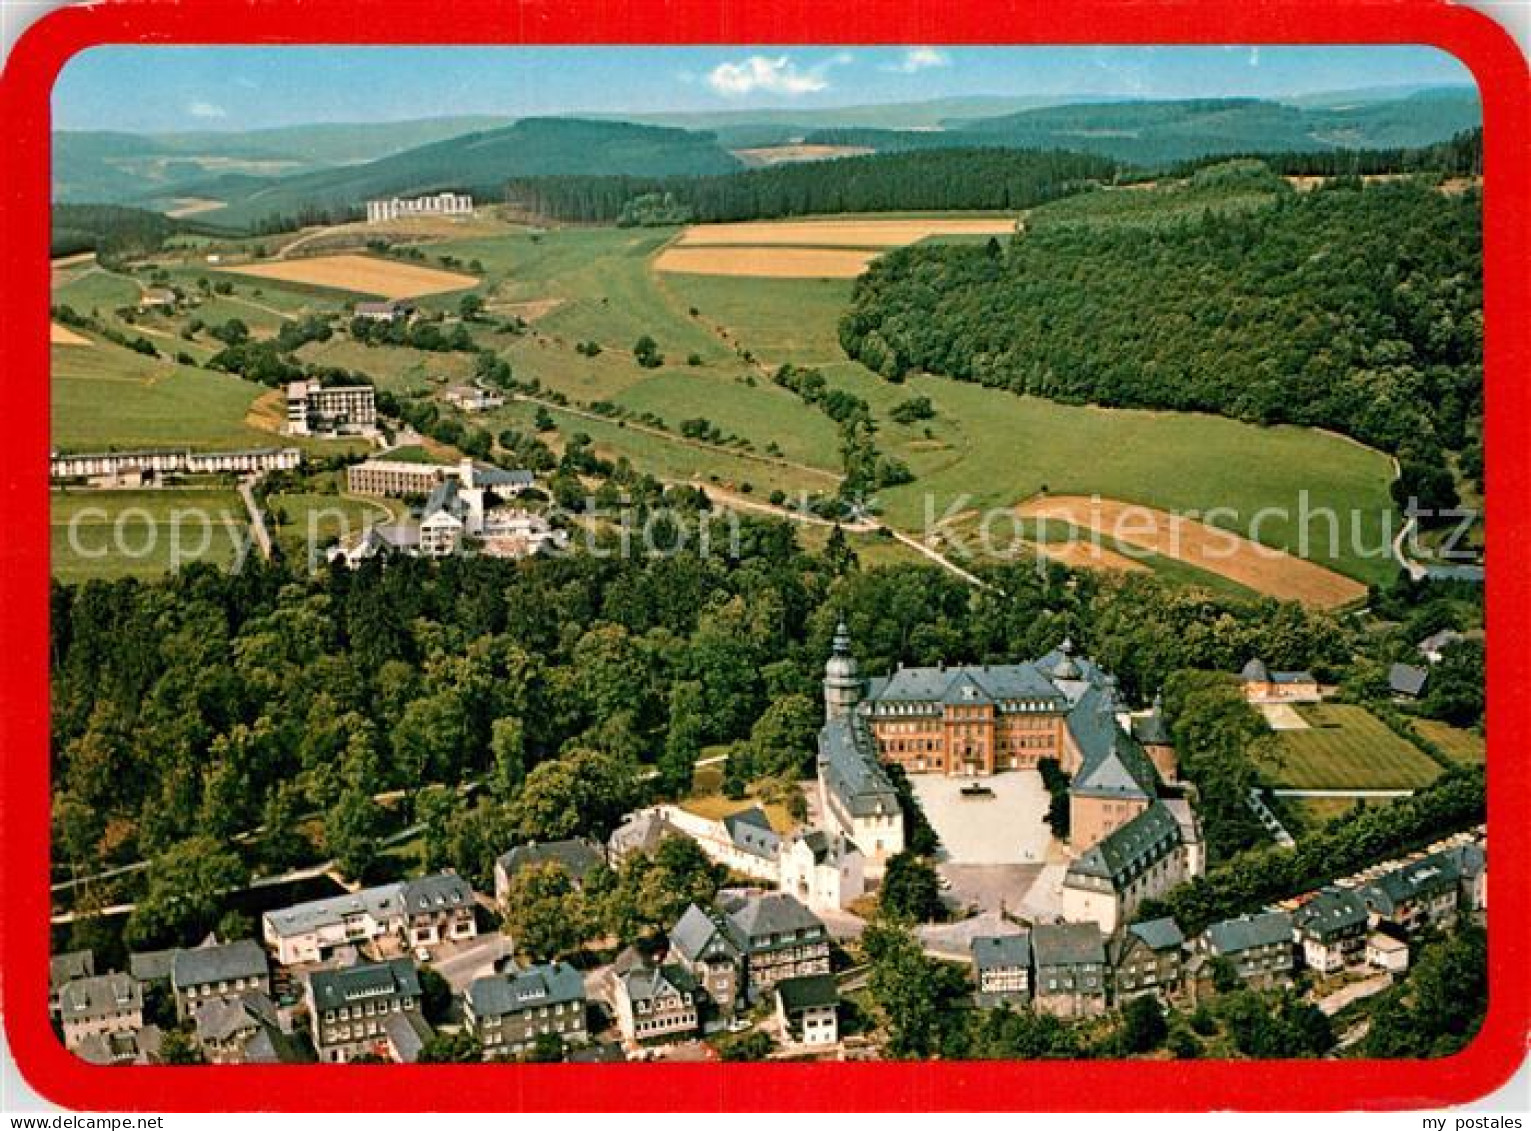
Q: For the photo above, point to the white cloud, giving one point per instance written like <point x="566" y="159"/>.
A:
<point x="920" y="59"/>
<point x="779" y="75"/>
<point x="203" y="109"/>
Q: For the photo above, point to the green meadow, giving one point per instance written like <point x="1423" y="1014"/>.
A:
<point x="111" y="534"/>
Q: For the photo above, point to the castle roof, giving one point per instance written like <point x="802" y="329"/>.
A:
<point x="1132" y="849"/>
<point x="850" y="767"/>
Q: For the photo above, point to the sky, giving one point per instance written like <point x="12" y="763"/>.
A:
<point x="162" y="89"/>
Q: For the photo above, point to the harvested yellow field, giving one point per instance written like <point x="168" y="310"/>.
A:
<point x="192" y="206"/>
<point x="766" y="262"/>
<point x="64" y="336"/>
<point x="363" y="274"/>
<point x="838" y="233"/>
<point x="787" y="154"/>
<point x="1088" y="555"/>
<point x="1261" y="568"/>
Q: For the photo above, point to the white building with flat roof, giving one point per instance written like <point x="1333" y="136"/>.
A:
<point x="437" y="204"/>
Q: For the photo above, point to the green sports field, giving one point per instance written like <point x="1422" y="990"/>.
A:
<point x="1346" y="747"/>
<point x="110" y="534"/>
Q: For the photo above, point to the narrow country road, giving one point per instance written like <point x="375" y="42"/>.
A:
<point x="257" y="520"/>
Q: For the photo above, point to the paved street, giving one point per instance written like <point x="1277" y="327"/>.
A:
<point x="460" y="963"/>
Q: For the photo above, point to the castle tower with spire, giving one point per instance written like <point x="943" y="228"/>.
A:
<point x="842" y="683"/>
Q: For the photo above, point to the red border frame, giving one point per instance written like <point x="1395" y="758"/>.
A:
<point x="43" y="50"/>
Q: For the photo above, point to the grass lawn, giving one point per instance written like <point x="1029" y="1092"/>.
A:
<point x="108" y="397"/>
<point x="1346" y="748"/>
<point x="993" y="448"/>
<point x="1316" y="812"/>
<point x="395" y="368"/>
<point x="714" y="807"/>
<point x="333" y="517"/>
<point x="110" y="534"/>
<point x="1465" y="746"/>
<point x="95" y="288"/>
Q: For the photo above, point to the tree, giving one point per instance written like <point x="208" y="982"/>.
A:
<point x="785" y="738"/>
<point x="184" y="894"/>
<point x="546" y="914"/>
<point x="470" y="306"/>
<point x="683" y="737"/>
<point x="1143" y="1025"/>
<point x="179" y="1046"/>
<point x="1441" y="1006"/>
<point x="652" y="892"/>
<point x="507" y="746"/>
<point x="461" y="1047"/>
<point x="1455" y="691"/>
<point x="584" y="792"/>
<point x="911" y="991"/>
<point x="646" y="353"/>
<point x="911" y="889"/>
<point x="435" y="995"/>
<point x="547" y="1048"/>
<point x="351" y="833"/>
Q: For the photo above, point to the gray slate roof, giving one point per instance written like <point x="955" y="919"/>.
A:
<point x="407" y="1033"/>
<point x="1331" y="913"/>
<point x="1132" y="849"/>
<point x="1067" y="944"/>
<point x="1232" y="936"/>
<point x="577" y="857"/>
<point x="812" y="991"/>
<point x="222" y="1018"/>
<point x="1000" y="684"/>
<point x="381" y="903"/>
<point x="85" y="999"/>
<point x="827" y="848"/>
<point x="995" y="952"/>
<point x="536" y="986"/>
<point x="69" y="966"/>
<point x="1159" y="934"/>
<point x="1406" y="679"/>
<point x="1112" y="764"/>
<point x="697" y="935"/>
<point x="750" y="830"/>
<point x="762" y="918"/>
<point x="208" y="964"/>
<point x="152" y="965"/>
<point x="642" y="982"/>
<point x="1421" y="879"/>
<point x="443" y="891"/>
<point x="849" y="761"/>
<point x="370" y="981"/>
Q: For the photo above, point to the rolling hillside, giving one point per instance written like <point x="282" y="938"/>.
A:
<point x="1161" y="132"/>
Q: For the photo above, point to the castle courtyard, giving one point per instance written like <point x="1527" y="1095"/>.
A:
<point x="1005" y="828"/>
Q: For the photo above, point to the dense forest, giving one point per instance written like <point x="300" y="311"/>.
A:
<point x="950" y="179"/>
<point x="1460" y="155"/>
<point x="204" y="704"/>
<point x="109" y="230"/>
<point x="1352" y="307"/>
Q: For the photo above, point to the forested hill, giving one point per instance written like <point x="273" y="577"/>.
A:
<point x="1158" y="133"/>
<point x="948" y="179"/>
<point x="481" y="162"/>
<point x="1357" y="309"/>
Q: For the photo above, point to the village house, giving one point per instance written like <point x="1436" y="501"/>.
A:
<point x="700" y="941"/>
<point x="370" y="1008"/>
<point x="217" y="973"/>
<point x="387" y="310"/>
<point x="443" y="521"/>
<point x="1002" y="964"/>
<point x="438" y="908"/>
<point x="1259" y="946"/>
<point x="577" y="858"/>
<point x="508" y="1012"/>
<point x="1261" y="685"/>
<point x="471" y="398"/>
<point x="1331" y="930"/>
<point x="824" y="870"/>
<point x="99" y="1006"/>
<point x="131" y="1046"/>
<point x="1419" y="894"/>
<point x="1147" y="958"/>
<point x="779" y="938"/>
<point x="1071" y="973"/>
<point x="742" y="842"/>
<point x="653" y="1002"/>
<point x="807" y="1010"/>
<point x="1387" y="950"/>
<point x="1139" y="860"/>
<point x="421" y="912"/>
<point x="244" y="1030"/>
<point x="65" y="968"/>
<point x="639" y="833"/>
<point x="1407" y="681"/>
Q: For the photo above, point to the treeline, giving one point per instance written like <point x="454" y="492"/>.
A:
<point x="109" y="230"/>
<point x="990" y="179"/>
<point x="1350" y="308"/>
<point x="1459" y="156"/>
